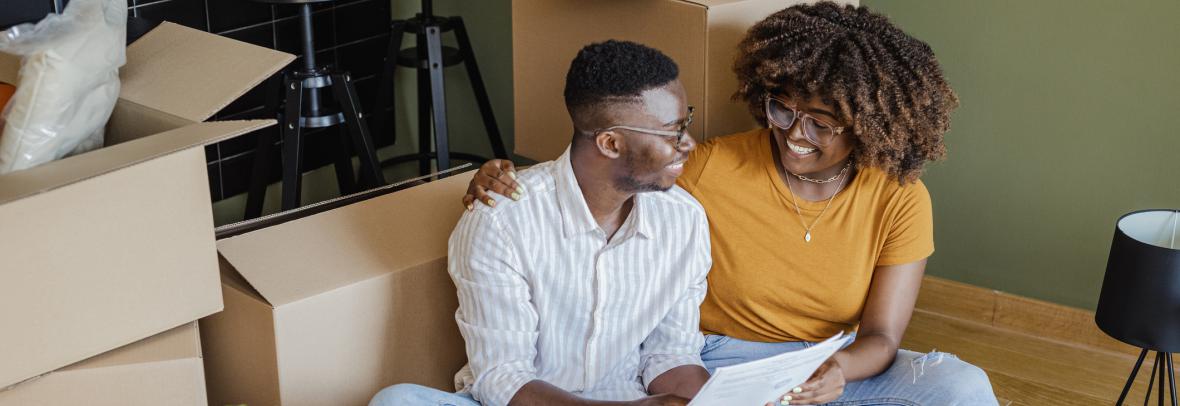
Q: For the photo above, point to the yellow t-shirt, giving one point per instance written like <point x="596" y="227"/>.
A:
<point x="768" y="284"/>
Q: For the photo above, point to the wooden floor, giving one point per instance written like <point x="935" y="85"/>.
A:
<point x="1035" y="353"/>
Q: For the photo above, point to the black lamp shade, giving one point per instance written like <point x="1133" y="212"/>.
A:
<point x="1140" y="301"/>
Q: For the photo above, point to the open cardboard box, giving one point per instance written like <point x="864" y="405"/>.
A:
<point x="105" y="248"/>
<point x="700" y="35"/>
<point x="164" y="369"/>
<point x="330" y="308"/>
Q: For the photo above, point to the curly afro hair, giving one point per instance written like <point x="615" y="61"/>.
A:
<point x="886" y="84"/>
<point x="615" y="71"/>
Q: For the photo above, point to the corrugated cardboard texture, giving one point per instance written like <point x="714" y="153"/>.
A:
<point x="341" y="347"/>
<point x="361" y="300"/>
<point x="240" y="355"/>
<point x="164" y="369"/>
<point x="83" y="275"/>
<point x="176" y="344"/>
<point x="192" y="74"/>
<point x="547" y="34"/>
<point x="700" y="35"/>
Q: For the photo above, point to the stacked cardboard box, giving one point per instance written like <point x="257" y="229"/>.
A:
<point x="165" y="369"/>
<point x="109" y="247"/>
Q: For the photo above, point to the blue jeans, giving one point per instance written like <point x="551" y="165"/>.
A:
<point x="914" y="379"/>
<point x="407" y="394"/>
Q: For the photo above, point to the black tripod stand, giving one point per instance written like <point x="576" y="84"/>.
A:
<point x="302" y="108"/>
<point x="429" y="57"/>
<point x="1163" y="364"/>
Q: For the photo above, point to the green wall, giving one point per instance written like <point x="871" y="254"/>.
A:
<point x="1067" y="121"/>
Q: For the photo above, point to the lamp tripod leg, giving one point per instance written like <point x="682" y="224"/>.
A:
<point x="1151" y="379"/>
<point x="1131" y="379"/>
<point x="1171" y="378"/>
<point x="1159" y="359"/>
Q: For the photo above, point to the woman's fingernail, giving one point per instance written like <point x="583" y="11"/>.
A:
<point x="784" y="402"/>
<point x="470" y="207"/>
<point x="492" y="203"/>
<point x="512" y="175"/>
<point x="787" y="398"/>
<point x="797" y="390"/>
<point x="515" y="195"/>
<point x="519" y="190"/>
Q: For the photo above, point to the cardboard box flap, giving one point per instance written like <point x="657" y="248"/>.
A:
<point x="299" y="259"/>
<point x="9" y="68"/>
<point x="193" y="74"/>
<point x="21" y="184"/>
<point x="183" y="342"/>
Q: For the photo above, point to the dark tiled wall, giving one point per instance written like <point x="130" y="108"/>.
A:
<point x="349" y="34"/>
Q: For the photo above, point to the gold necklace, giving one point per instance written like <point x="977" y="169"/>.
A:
<point x="806" y="228"/>
<point x="828" y="180"/>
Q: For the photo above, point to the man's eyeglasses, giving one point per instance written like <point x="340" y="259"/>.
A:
<point x="678" y="136"/>
<point x="783" y="116"/>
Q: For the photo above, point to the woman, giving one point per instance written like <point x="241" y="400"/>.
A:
<point x="819" y="223"/>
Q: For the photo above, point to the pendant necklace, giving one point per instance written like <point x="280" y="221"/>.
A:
<point x="806" y="228"/>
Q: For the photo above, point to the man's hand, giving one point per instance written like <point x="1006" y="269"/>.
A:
<point x="661" y="400"/>
<point x="825" y="385"/>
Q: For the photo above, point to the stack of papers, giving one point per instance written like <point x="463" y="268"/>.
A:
<point x="757" y="383"/>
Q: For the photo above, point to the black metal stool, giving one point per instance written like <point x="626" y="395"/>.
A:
<point x="303" y="109"/>
<point x="429" y="57"/>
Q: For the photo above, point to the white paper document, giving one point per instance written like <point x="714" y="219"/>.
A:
<point x="757" y="383"/>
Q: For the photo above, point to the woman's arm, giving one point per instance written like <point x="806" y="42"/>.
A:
<point x="887" y="312"/>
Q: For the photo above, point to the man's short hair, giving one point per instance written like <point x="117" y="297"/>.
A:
<point x="615" y="71"/>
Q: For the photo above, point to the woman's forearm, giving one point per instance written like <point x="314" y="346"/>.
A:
<point x="866" y="357"/>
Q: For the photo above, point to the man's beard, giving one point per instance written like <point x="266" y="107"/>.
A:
<point x="628" y="182"/>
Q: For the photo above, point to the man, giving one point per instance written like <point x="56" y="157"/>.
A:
<point x="587" y="290"/>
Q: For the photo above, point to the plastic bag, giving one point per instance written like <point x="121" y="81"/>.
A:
<point x="68" y="82"/>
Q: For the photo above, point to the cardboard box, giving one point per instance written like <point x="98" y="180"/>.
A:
<point x="109" y="247"/>
<point x="700" y="35"/>
<point x="329" y="309"/>
<point x="164" y="369"/>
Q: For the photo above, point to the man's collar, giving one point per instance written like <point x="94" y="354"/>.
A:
<point x="576" y="218"/>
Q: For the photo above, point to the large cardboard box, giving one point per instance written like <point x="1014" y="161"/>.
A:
<point x="164" y="369"/>
<point x="109" y="247"/>
<point x="700" y="35"/>
<point x="329" y="309"/>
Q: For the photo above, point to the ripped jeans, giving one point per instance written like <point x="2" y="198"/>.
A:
<point x="914" y="379"/>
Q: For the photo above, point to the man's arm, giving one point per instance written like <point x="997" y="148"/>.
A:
<point x="495" y="316"/>
<point x="683" y="381"/>
<point x="671" y="355"/>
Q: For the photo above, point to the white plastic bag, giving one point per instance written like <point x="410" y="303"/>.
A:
<point x="68" y="82"/>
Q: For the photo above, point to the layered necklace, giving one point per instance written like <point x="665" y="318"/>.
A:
<point x="839" y="176"/>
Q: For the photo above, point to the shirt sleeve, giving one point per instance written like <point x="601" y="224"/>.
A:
<point x="496" y="317"/>
<point x="677" y="340"/>
<point x="911" y="228"/>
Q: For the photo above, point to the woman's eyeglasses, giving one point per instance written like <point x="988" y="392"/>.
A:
<point x="783" y="116"/>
